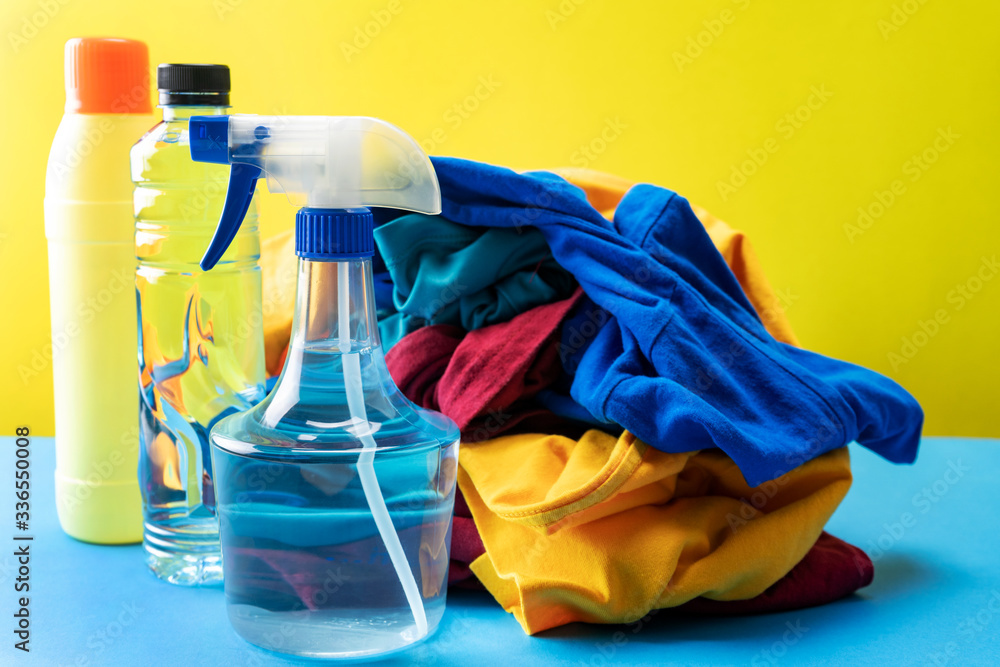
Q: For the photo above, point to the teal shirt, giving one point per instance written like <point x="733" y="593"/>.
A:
<point x="447" y="273"/>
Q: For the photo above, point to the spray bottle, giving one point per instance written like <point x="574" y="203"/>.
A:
<point x="335" y="493"/>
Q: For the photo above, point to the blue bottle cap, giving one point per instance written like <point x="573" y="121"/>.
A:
<point x="334" y="234"/>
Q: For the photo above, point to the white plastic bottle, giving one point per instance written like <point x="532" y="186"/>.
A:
<point x="91" y="236"/>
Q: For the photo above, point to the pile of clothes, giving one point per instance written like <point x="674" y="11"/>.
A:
<point x="640" y="429"/>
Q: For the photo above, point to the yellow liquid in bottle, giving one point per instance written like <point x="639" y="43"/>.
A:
<point x="201" y="350"/>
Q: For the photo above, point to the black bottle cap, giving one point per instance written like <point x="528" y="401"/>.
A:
<point x="193" y="85"/>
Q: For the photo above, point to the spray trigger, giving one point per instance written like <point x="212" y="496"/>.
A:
<point x="242" y="183"/>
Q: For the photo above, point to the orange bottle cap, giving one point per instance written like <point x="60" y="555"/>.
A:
<point x="107" y="75"/>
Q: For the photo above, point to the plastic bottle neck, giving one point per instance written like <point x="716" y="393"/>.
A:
<point x="317" y="367"/>
<point x="185" y="111"/>
<point x="317" y="322"/>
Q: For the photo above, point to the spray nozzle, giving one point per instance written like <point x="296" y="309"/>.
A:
<point x="319" y="162"/>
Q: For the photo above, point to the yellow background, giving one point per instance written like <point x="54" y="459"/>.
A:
<point x="629" y="81"/>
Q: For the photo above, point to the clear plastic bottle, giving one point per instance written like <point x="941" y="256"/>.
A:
<point x="307" y="570"/>
<point x="201" y="351"/>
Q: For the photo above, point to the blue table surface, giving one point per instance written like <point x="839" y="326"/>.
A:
<point x="935" y="599"/>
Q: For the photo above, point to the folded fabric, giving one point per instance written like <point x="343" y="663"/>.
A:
<point x="446" y="273"/>
<point x="683" y="360"/>
<point x="482" y="379"/>
<point x="484" y="374"/>
<point x="605" y="191"/>
<point x="604" y="530"/>
<point x="832" y="569"/>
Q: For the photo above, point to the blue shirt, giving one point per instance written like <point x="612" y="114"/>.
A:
<point x="682" y="359"/>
